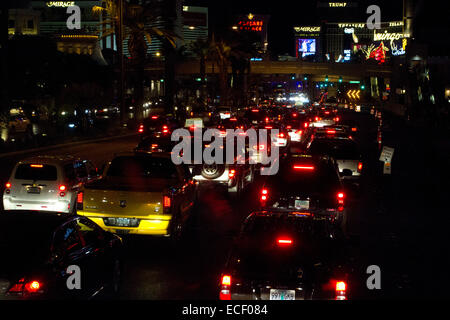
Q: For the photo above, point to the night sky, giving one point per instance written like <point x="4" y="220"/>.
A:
<point x="433" y="18"/>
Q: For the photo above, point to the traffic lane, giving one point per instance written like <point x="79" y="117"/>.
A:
<point x="97" y="152"/>
<point x="154" y="270"/>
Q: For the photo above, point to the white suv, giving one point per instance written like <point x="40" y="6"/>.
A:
<point x="47" y="183"/>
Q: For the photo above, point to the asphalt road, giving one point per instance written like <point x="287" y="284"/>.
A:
<point x="389" y="216"/>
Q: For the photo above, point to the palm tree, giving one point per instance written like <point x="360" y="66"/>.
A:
<point x="138" y="20"/>
<point x="220" y="52"/>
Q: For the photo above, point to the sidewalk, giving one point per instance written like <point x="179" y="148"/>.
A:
<point x="75" y="142"/>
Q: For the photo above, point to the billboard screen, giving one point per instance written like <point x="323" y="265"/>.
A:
<point x="306" y="47"/>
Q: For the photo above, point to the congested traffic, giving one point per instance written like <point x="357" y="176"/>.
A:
<point x="291" y="243"/>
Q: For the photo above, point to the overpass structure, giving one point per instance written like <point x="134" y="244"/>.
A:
<point x="316" y="71"/>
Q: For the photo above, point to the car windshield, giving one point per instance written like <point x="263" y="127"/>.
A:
<point x="142" y="167"/>
<point x="36" y="172"/>
<point x="336" y="148"/>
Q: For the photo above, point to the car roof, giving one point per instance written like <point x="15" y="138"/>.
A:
<point x="47" y="221"/>
<point x="50" y="159"/>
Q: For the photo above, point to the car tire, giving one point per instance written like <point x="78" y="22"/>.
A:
<point x="212" y="171"/>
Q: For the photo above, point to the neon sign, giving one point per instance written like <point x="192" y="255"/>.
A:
<point x="351" y="25"/>
<point x="337" y="4"/>
<point x="389" y="36"/>
<point x="254" y="25"/>
<point x="60" y="4"/>
<point x="307" y="29"/>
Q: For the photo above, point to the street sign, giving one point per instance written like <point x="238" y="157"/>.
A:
<point x="386" y="154"/>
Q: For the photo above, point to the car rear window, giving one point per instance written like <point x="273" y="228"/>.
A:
<point x="36" y="172"/>
<point x="338" y="149"/>
<point x="142" y="167"/>
<point x="322" y="178"/>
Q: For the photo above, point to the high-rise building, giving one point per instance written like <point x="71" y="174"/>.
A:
<point x="195" y="25"/>
<point x="256" y="27"/>
<point x="23" y="22"/>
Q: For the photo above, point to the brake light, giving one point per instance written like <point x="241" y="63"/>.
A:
<point x="8" y="185"/>
<point x="284" y="241"/>
<point x="331" y="131"/>
<point x="360" y="165"/>
<point x="316" y="119"/>
<point x="231" y="173"/>
<point x="289" y="127"/>
<point x="226" y="280"/>
<point x="306" y="124"/>
<point x="33" y="286"/>
<point x="165" y="129"/>
<point x="267" y="119"/>
<point x="264" y="194"/>
<point x="154" y="117"/>
<point x="294" y="115"/>
<point x="341" y="290"/>
<point x="327" y="112"/>
<point x="303" y="167"/>
<point x="154" y="146"/>
<point x="141" y="128"/>
<point x="260" y="147"/>
<point x="166" y="202"/>
<point x="36" y="165"/>
<point x="225" y="293"/>
<point x="336" y="119"/>
<point x="80" y="200"/>
<point x="255" y="110"/>
<point x="341" y="197"/>
<point x="354" y="129"/>
<point x="62" y="188"/>
<point x="268" y="127"/>
<point x="281" y="135"/>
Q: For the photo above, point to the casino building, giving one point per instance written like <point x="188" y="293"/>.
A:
<point x="342" y="35"/>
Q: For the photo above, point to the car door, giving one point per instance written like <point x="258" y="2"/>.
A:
<point x="187" y="189"/>
<point x="98" y="254"/>
<point x="69" y="249"/>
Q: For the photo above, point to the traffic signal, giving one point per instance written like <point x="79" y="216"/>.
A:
<point x="363" y="87"/>
<point x="305" y="78"/>
<point x="340" y="79"/>
<point x="326" y="78"/>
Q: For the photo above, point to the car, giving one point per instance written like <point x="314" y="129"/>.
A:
<point x="140" y="193"/>
<point x="256" y="116"/>
<point x="344" y="150"/>
<point x="156" y="144"/>
<point x="157" y="125"/>
<point x="37" y="251"/>
<point x="285" y="256"/>
<point x="308" y="184"/>
<point x="47" y="183"/>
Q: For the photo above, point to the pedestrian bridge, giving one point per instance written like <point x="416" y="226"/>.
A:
<point x="315" y="70"/>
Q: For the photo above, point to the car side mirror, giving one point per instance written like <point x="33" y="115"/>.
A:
<point x="102" y="169"/>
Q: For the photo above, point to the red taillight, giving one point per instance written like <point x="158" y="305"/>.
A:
<point x="341" y="290"/>
<point x="62" y="188"/>
<point x="354" y="129"/>
<point x="80" y="197"/>
<point x="316" y="119"/>
<point x="226" y="280"/>
<point x="336" y="119"/>
<point x="281" y="135"/>
<point x="225" y="293"/>
<point x="331" y="131"/>
<point x="141" y="128"/>
<point x="294" y="115"/>
<point x="341" y="197"/>
<point x="255" y="110"/>
<point x="303" y="167"/>
<point x="264" y="194"/>
<point x="306" y="124"/>
<point x="166" y="202"/>
<point x="268" y="127"/>
<point x="267" y="119"/>
<point x="231" y="173"/>
<point x="360" y="165"/>
<point x="36" y="165"/>
<point x="154" y="117"/>
<point x="260" y="147"/>
<point x="284" y="241"/>
<point x="33" y="286"/>
<point x="289" y="127"/>
<point x="8" y="185"/>
<point x="80" y="200"/>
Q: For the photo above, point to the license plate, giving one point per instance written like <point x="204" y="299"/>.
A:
<point x="301" y="204"/>
<point x="277" y="294"/>
<point x="34" y="190"/>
